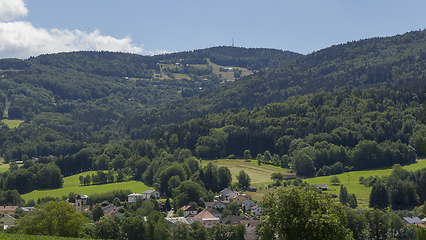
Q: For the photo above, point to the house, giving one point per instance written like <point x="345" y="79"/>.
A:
<point x="84" y="199"/>
<point x="206" y="216"/>
<point x="215" y="213"/>
<point x="256" y="210"/>
<point x="109" y="208"/>
<point x="224" y="192"/>
<point x="131" y="198"/>
<point x="189" y="210"/>
<point x="147" y="194"/>
<point x="208" y="205"/>
<point x="8" y="210"/>
<point x="250" y="229"/>
<point x="239" y="199"/>
<point x="174" y="220"/>
<point x="27" y="209"/>
<point x="231" y="195"/>
<point x="289" y="176"/>
<point x="412" y="220"/>
<point x="252" y="189"/>
<point x="247" y="204"/>
<point x="7" y="221"/>
<point x="233" y="219"/>
<point x="323" y="187"/>
<point x="113" y="214"/>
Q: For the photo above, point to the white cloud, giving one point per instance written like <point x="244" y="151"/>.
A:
<point x="11" y="9"/>
<point x="21" y="39"/>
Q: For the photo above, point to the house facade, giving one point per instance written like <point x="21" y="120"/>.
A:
<point x="247" y="204"/>
<point x="256" y="210"/>
<point x="131" y="198"/>
<point x="189" y="210"/>
<point x="147" y="194"/>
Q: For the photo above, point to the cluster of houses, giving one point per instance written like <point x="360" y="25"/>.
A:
<point x="210" y="216"/>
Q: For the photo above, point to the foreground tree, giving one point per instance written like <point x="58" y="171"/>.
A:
<point x="301" y="213"/>
<point x="54" y="219"/>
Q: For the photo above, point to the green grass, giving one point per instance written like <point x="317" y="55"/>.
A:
<point x="9" y="236"/>
<point x="228" y="75"/>
<point x="72" y="184"/>
<point x="258" y="174"/>
<point x="4" y="168"/>
<point x="351" y="181"/>
<point x="12" y="123"/>
<point x="260" y="177"/>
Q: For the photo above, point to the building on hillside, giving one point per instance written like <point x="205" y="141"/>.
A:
<point x="147" y="194"/>
<point x="27" y="209"/>
<point x="174" y="220"/>
<point x="7" y="221"/>
<point x="323" y="187"/>
<point x="252" y="189"/>
<point x="8" y="210"/>
<point x="84" y="199"/>
<point x="247" y="204"/>
<point x="239" y="199"/>
<point x="206" y="216"/>
<point x="109" y="208"/>
<point x="233" y="219"/>
<point x="412" y="220"/>
<point x="208" y="205"/>
<point x="131" y="198"/>
<point x="189" y="211"/>
<point x="224" y="192"/>
<point x="289" y="176"/>
<point x="256" y="210"/>
<point x="215" y="213"/>
<point x="231" y="195"/>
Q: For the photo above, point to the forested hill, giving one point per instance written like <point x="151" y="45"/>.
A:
<point x="137" y="66"/>
<point x="396" y="62"/>
<point x="69" y="101"/>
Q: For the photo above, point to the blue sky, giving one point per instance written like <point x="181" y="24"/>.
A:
<point x="33" y="27"/>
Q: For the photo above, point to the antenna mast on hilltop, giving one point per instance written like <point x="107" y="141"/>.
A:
<point x="232" y="41"/>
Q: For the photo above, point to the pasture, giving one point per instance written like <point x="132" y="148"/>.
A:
<point x="260" y="177"/>
<point x="12" y="123"/>
<point x="351" y="181"/>
<point x="72" y="184"/>
<point x="228" y="75"/>
<point x="258" y="174"/>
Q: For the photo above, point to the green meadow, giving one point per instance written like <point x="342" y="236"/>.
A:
<point x="351" y="181"/>
<point x="258" y="174"/>
<point x="12" y="123"/>
<point x="72" y="184"/>
<point x="260" y="177"/>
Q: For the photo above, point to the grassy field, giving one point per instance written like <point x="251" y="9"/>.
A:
<point x="72" y="184"/>
<point x="351" y="181"/>
<point x="258" y="174"/>
<point x="9" y="236"/>
<point x="228" y="75"/>
<point x="12" y="123"/>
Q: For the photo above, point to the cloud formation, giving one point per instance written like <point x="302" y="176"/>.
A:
<point x="20" y="39"/>
<point x="12" y="9"/>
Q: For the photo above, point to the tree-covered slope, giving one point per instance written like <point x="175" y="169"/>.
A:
<point x="397" y="62"/>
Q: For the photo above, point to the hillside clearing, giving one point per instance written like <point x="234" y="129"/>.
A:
<point x="12" y="123"/>
<point x="72" y="184"/>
